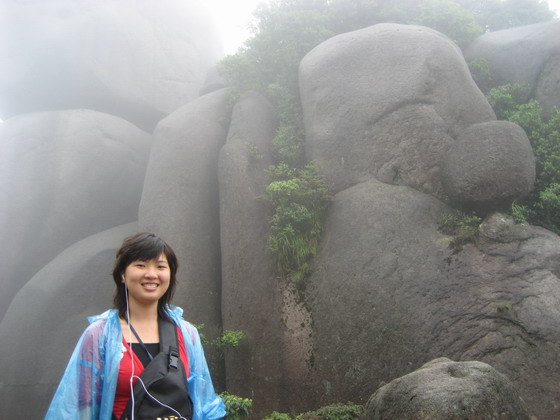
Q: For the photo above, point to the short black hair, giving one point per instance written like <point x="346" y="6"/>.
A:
<point x="143" y="246"/>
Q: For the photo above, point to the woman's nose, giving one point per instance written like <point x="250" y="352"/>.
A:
<point x="151" y="272"/>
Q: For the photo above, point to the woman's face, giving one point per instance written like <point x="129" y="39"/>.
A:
<point x="147" y="281"/>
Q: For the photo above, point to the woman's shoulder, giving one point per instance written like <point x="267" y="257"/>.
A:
<point x="176" y="314"/>
<point x="98" y="323"/>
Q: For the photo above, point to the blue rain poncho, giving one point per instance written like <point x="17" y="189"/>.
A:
<point x="87" y="389"/>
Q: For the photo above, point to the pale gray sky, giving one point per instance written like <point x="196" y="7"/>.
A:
<point x="233" y="17"/>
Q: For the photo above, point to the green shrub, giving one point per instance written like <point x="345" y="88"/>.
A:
<point x="278" y="416"/>
<point x="463" y="227"/>
<point x="236" y="407"/>
<point x="229" y="339"/>
<point x="511" y="102"/>
<point x="480" y="72"/>
<point x="548" y="208"/>
<point x="506" y="98"/>
<point x="520" y="213"/>
<point x="299" y="197"/>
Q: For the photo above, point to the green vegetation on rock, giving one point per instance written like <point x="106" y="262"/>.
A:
<point x="236" y="407"/>
<point x="542" y="207"/>
<point x="461" y="226"/>
<point x="349" y="411"/>
<point x="284" y="31"/>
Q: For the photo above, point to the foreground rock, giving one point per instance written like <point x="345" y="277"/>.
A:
<point x="443" y="390"/>
<point x="46" y="318"/>
<point x="412" y="298"/>
<point x="136" y="60"/>
<point x="64" y="175"/>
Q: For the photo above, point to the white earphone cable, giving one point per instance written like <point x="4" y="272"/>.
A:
<point x="132" y="376"/>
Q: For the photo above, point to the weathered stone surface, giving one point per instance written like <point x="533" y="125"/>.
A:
<point x="254" y="299"/>
<point x="489" y="166"/>
<point x="180" y="201"/>
<point x="388" y="294"/>
<point x="443" y="390"/>
<point x="46" y="318"/>
<point x="64" y="175"/>
<point x="527" y="54"/>
<point x="136" y="60"/>
<point x="382" y="102"/>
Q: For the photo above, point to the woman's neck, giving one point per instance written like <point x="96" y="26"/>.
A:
<point x="142" y="314"/>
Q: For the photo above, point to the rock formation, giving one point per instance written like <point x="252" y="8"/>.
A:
<point x="254" y="298"/>
<point x="135" y="60"/>
<point x="400" y="131"/>
<point x="64" y="175"/>
<point x="183" y="206"/>
<point x="397" y="96"/>
<point x="486" y="175"/>
<point x="443" y="390"/>
<point x="47" y="317"/>
<point x="528" y="54"/>
<point x="409" y="297"/>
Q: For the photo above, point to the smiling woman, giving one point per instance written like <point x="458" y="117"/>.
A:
<point x="113" y="370"/>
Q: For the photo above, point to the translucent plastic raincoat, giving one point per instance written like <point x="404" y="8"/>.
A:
<point x="87" y="389"/>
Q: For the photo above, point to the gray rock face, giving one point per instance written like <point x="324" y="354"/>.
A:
<point x="443" y="390"/>
<point x="64" y="175"/>
<point x="412" y="299"/>
<point x="180" y="200"/>
<point x="392" y="112"/>
<point x="385" y="102"/>
<point x="527" y="54"/>
<point x="136" y="60"/>
<point x="46" y="318"/>
<point x="254" y="299"/>
<point x="489" y="166"/>
<point x="373" y="290"/>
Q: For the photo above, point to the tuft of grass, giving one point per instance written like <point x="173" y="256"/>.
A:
<point x="462" y="226"/>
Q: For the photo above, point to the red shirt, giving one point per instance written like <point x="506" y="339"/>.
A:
<point x="122" y="394"/>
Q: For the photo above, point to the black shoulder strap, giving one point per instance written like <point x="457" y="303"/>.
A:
<point x="168" y="341"/>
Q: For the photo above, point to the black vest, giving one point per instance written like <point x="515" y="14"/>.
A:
<point x="165" y="379"/>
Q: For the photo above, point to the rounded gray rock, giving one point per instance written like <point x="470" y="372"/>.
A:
<point x="384" y="102"/>
<point x="64" y="175"/>
<point x="489" y="166"/>
<point x="139" y="60"/>
<point x="443" y="390"/>
<point x="527" y="54"/>
<point x="180" y="200"/>
<point x="48" y="315"/>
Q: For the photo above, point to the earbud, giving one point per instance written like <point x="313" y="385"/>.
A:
<point x="123" y="280"/>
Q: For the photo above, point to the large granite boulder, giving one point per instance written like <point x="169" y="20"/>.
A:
<point x="254" y="299"/>
<point x="385" y="102"/>
<point x="444" y="390"/>
<point x="410" y="298"/>
<point x="64" y="175"/>
<point x="527" y="54"/>
<point x="489" y="166"/>
<point x="46" y="318"/>
<point x="137" y="60"/>
<point x="180" y="201"/>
